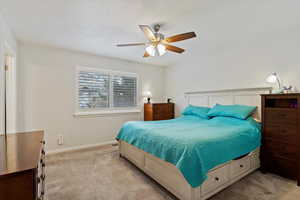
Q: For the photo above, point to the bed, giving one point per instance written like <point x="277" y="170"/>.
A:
<point x="185" y="155"/>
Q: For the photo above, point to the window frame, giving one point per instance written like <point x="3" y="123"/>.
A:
<point x="110" y="110"/>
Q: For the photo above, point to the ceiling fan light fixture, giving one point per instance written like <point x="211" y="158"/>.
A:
<point x="161" y="49"/>
<point x="157" y="50"/>
<point x="157" y="44"/>
<point x="151" y="50"/>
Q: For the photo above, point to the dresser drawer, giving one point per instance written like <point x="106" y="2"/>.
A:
<point x="284" y="133"/>
<point x="279" y="149"/>
<point x="162" y="116"/>
<point x="281" y="116"/>
<point x="159" y="108"/>
<point x="163" y="111"/>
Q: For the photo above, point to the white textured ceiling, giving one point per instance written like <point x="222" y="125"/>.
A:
<point x="96" y="26"/>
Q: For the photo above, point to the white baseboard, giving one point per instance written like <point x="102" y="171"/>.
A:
<point x="81" y="147"/>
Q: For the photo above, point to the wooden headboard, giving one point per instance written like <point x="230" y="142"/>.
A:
<point x="243" y="96"/>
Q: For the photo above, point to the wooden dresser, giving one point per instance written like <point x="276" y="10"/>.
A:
<point x="22" y="172"/>
<point x="158" y="111"/>
<point x="281" y="135"/>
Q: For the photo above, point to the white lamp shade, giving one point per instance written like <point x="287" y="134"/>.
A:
<point x="272" y="78"/>
<point x="147" y="94"/>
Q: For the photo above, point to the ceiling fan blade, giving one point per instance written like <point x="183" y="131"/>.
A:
<point x="132" y="44"/>
<point x="174" y="49"/>
<point x="146" y="55"/>
<point x="180" y="37"/>
<point x="148" y="32"/>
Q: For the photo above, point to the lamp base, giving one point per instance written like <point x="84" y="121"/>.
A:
<point x="277" y="91"/>
<point x="148" y="99"/>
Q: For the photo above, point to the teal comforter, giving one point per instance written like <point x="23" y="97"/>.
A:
<point x="192" y="144"/>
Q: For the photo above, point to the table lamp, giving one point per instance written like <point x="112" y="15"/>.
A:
<point x="274" y="78"/>
<point x="148" y="95"/>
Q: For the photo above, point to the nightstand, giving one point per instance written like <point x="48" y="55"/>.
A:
<point x="158" y="111"/>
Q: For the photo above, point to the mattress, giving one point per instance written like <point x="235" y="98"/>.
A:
<point x="194" y="145"/>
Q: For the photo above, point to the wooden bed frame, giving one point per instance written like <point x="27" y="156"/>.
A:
<point x="218" y="178"/>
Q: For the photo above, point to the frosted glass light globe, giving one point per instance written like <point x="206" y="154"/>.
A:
<point x="161" y="49"/>
<point x="150" y="50"/>
<point x="157" y="50"/>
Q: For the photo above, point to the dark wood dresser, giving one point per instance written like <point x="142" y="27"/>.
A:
<point x="281" y="135"/>
<point x="22" y="173"/>
<point x="158" y="111"/>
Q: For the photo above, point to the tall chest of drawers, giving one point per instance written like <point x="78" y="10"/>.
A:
<point x="281" y="135"/>
<point x="22" y="173"/>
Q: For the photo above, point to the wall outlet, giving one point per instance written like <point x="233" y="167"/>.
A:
<point x="60" y="140"/>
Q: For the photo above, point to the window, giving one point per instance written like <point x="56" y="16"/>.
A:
<point x="93" y="90"/>
<point x="105" y="90"/>
<point x="124" y="91"/>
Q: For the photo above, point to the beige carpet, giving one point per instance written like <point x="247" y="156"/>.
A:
<point x="99" y="174"/>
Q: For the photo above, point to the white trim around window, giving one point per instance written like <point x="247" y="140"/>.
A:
<point x="82" y="110"/>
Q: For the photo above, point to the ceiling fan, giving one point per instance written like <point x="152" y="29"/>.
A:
<point x="158" y="45"/>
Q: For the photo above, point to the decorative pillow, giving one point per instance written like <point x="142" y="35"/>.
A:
<point x="236" y="111"/>
<point x="196" y="111"/>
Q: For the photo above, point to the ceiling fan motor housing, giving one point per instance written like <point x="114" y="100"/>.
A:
<point x="159" y="36"/>
<point x="156" y="27"/>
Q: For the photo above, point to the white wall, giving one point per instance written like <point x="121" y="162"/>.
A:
<point x="7" y="39"/>
<point x="241" y="42"/>
<point x="47" y="90"/>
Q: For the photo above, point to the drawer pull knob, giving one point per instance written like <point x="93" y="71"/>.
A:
<point x="241" y="166"/>
<point x="43" y="165"/>
<point x="43" y="142"/>
<point x="43" y="152"/>
<point x="38" y="180"/>
<point x="217" y="179"/>
<point x="43" y="177"/>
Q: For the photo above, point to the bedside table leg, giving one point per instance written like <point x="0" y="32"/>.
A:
<point x="298" y="183"/>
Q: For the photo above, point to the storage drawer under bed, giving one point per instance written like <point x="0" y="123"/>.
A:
<point x="171" y="178"/>
<point x="215" y="179"/>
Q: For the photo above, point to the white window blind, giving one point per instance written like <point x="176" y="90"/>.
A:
<point x="124" y="91"/>
<point x="100" y="89"/>
<point x="93" y="90"/>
